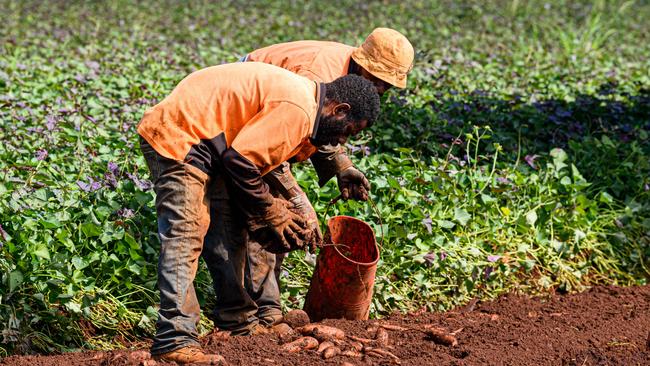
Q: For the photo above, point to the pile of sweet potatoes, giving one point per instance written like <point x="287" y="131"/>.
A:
<point x="297" y="334"/>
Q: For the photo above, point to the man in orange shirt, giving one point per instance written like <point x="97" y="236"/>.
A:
<point x="385" y="58"/>
<point x="207" y="146"/>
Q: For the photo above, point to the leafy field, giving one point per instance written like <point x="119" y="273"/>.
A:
<point x="518" y="157"/>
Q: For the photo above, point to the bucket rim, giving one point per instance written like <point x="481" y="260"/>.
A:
<point x="367" y="264"/>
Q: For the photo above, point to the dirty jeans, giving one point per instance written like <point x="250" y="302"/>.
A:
<point x="265" y="267"/>
<point x="195" y="219"/>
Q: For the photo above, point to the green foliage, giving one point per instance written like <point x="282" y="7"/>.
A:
<point x="517" y="158"/>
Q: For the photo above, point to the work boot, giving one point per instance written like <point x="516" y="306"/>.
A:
<point x="190" y="354"/>
<point x="256" y="329"/>
<point x="270" y="320"/>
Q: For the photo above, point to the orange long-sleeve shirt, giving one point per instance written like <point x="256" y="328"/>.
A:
<point x="316" y="60"/>
<point x="265" y="113"/>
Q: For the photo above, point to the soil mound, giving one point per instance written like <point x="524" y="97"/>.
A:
<point x="603" y="326"/>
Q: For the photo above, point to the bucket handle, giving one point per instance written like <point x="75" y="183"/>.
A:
<point x="372" y="203"/>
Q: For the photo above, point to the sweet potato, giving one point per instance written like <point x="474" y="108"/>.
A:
<point x="306" y="329"/>
<point x="300" y="344"/>
<point x="382" y="337"/>
<point x="372" y="330"/>
<point x="381" y="353"/>
<point x="393" y="327"/>
<point x="440" y="336"/>
<point x="351" y="353"/>
<point x="284" y="332"/>
<point x="356" y="346"/>
<point x="359" y="339"/>
<point x="324" y="333"/>
<point x="323" y="346"/>
<point x="296" y="318"/>
<point x="331" y="352"/>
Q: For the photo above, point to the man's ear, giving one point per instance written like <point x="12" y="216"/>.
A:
<point x="341" y="110"/>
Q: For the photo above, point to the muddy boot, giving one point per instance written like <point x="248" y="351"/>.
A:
<point x="190" y="354"/>
<point x="256" y="329"/>
<point x="269" y="320"/>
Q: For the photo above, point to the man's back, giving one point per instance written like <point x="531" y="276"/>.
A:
<point x="317" y="60"/>
<point x="220" y="101"/>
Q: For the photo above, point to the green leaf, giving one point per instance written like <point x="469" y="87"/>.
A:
<point x="531" y="217"/>
<point x="79" y="263"/>
<point x="15" y="279"/>
<point x="487" y="199"/>
<point x="445" y="224"/>
<point x="42" y="252"/>
<point x="462" y="216"/>
<point x="91" y="229"/>
<point x="606" y="197"/>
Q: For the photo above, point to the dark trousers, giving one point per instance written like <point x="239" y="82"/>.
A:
<point x="196" y="219"/>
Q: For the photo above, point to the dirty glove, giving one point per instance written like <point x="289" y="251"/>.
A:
<point x="353" y="184"/>
<point x="303" y="207"/>
<point x="280" y="230"/>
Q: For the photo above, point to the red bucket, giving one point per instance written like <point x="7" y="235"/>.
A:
<point x="342" y="283"/>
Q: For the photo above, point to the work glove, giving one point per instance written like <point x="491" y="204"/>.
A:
<point x="353" y="184"/>
<point x="279" y="229"/>
<point x="303" y="207"/>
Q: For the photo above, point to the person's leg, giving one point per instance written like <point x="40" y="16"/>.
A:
<point x="224" y="252"/>
<point x="264" y="267"/>
<point x="182" y="223"/>
<point x="262" y="284"/>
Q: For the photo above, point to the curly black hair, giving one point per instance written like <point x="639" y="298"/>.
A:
<point x="359" y="93"/>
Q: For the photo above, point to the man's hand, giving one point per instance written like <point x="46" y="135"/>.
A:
<point x="303" y="207"/>
<point x="283" y="229"/>
<point x="353" y="184"/>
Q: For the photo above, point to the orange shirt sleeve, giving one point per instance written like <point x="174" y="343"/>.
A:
<point x="273" y="135"/>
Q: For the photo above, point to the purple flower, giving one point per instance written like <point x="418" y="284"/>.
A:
<point x="143" y="184"/>
<point x="110" y="180"/>
<point x="427" y="222"/>
<point x="503" y="180"/>
<point x="646" y="187"/>
<point x="41" y="154"/>
<point x="442" y="255"/>
<point x="487" y="272"/>
<point x="429" y="258"/>
<point x="530" y="160"/>
<point x="50" y="122"/>
<point x="91" y="186"/>
<point x="112" y="167"/>
<point x="3" y="234"/>
<point x="125" y="213"/>
<point x="93" y="65"/>
<point x="493" y="258"/>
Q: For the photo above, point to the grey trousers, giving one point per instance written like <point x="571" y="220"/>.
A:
<point x="196" y="219"/>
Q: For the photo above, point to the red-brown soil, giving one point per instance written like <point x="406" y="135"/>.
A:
<point x="603" y="326"/>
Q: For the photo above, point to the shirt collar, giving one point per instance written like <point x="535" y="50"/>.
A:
<point x="320" y="95"/>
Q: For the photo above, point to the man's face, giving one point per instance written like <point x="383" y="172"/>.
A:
<point x="381" y="85"/>
<point x="332" y="130"/>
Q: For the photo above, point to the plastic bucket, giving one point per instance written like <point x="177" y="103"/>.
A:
<point x="342" y="283"/>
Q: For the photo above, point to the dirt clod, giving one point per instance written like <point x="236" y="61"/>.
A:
<point x="296" y="318"/>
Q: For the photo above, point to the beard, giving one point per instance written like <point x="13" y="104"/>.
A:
<point x="330" y="131"/>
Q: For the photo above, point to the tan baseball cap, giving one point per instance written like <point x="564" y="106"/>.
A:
<point x="386" y="54"/>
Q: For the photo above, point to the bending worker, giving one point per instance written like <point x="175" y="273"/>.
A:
<point x="385" y="58"/>
<point x="207" y="146"/>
